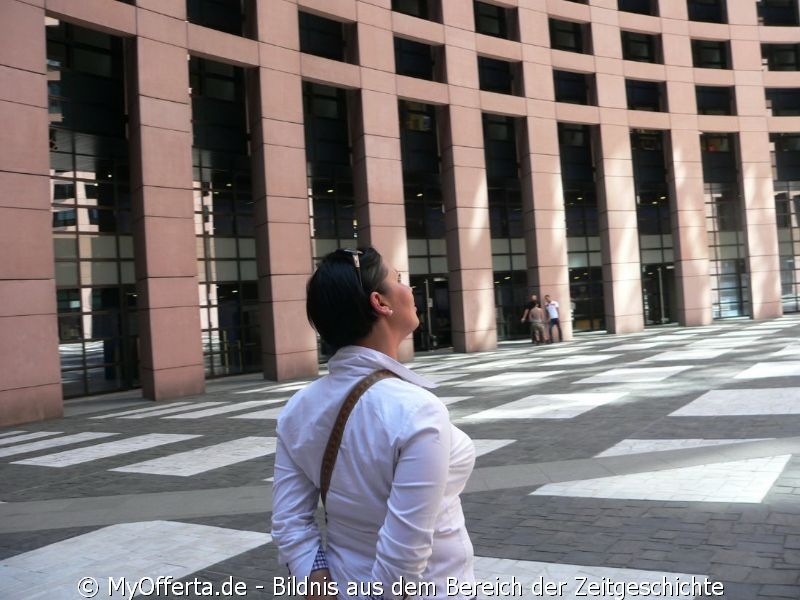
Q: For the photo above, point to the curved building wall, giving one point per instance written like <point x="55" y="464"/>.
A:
<point x="551" y="67"/>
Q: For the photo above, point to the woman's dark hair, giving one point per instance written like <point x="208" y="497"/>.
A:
<point x="337" y="295"/>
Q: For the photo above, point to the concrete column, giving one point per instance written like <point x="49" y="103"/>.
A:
<point x="619" y="233"/>
<point x="469" y="252"/>
<point x="171" y="351"/>
<point x="689" y="229"/>
<point x="30" y="374"/>
<point x="283" y="244"/>
<point x="758" y="196"/>
<point x="377" y="164"/>
<point x="543" y="217"/>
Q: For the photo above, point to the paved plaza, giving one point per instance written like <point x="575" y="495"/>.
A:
<point x="658" y="463"/>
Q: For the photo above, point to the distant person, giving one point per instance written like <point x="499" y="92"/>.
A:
<point x="537" y="319"/>
<point x="551" y="306"/>
<point x="527" y="316"/>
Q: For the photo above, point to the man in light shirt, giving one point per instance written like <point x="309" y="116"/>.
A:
<point x="551" y="306"/>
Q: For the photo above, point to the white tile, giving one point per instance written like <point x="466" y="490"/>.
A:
<point x="567" y="581"/>
<point x="790" y="350"/>
<point x="638" y="446"/>
<point x="497" y="364"/>
<point x="772" y="369"/>
<point x="486" y="446"/>
<point x="130" y="550"/>
<point x="54" y="442"/>
<point x="6" y="433"/>
<point x="441" y="378"/>
<point x="745" y="481"/>
<point x="24" y="437"/>
<point x="549" y="406"/>
<point x="764" y="401"/>
<point x="579" y="359"/>
<point x="265" y="414"/>
<point x="635" y="375"/>
<point x="221" y="410"/>
<point x="448" y="400"/>
<point x="687" y="354"/>
<point x="185" y="464"/>
<point x="144" y="410"/>
<point x="276" y="387"/>
<point x="633" y="346"/>
<point x="78" y="456"/>
<point x="511" y="378"/>
<point x="170" y="410"/>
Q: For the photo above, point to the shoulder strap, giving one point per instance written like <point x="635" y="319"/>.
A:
<point x="335" y="439"/>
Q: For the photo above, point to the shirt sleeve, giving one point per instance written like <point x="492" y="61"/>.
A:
<point x="406" y="537"/>
<point x="294" y="504"/>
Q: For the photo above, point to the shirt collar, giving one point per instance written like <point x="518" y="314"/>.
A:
<point x="361" y="358"/>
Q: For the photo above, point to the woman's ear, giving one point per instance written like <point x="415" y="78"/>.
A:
<point x="378" y="305"/>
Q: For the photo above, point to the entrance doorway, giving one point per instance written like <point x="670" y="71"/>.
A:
<point x="658" y="293"/>
<point x="432" y="298"/>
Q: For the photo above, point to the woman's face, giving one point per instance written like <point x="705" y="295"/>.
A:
<point x="400" y="298"/>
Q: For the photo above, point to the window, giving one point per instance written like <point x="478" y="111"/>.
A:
<point x="641" y="47"/>
<point x="715" y="100"/>
<point x="645" y="95"/>
<point x="324" y="37"/>
<point x="783" y="102"/>
<point x="222" y="15"/>
<point x="417" y="60"/>
<point x="570" y="36"/>
<point x="708" y="54"/>
<point x="781" y="57"/>
<point x="424" y="9"/>
<point x="778" y="12"/>
<point x="575" y="88"/>
<point x="497" y="21"/>
<point x="497" y="75"/>
<point x="711" y="11"/>
<point x="643" y="7"/>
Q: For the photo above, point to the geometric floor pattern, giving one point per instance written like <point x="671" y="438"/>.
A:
<point x="552" y="580"/>
<point x="638" y="446"/>
<point x="552" y="406"/>
<point x="743" y="402"/>
<point x="129" y="550"/>
<point x="746" y="480"/>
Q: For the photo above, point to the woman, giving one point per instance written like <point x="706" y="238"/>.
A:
<point x="393" y="511"/>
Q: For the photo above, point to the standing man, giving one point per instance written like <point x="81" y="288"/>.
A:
<point x="528" y="314"/>
<point x="552" y="317"/>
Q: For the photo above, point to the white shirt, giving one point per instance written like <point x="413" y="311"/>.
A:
<point x="552" y="309"/>
<point x="393" y="504"/>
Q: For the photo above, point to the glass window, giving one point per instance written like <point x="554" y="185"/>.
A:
<point x="712" y="11"/>
<point x="497" y="21"/>
<point x="715" y="100"/>
<point x="781" y="57"/>
<point x="642" y="47"/>
<point x="496" y="75"/>
<point x="778" y="12"/>
<point x="567" y="35"/>
<point x="645" y="95"/>
<point x="424" y="9"/>
<point x="783" y="102"/>
<point x="643" y="7"/>
<point x="576" y="88"/>
<point x="321" y="36"/>
<point x="222" y="15"/>
<point x="414" y="59"/>
<point x="710" y="54"/>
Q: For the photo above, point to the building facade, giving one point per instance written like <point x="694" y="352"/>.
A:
<point x="171" y="169"/>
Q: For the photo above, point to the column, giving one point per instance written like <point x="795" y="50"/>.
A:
<point x="619" y="232"/>
<point x="283" y="241"/>
<point x="30" y="374"/>
<point x="171" y="354"/>
<point x="377" y="164"/>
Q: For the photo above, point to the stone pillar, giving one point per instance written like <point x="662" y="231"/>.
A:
<point x="283" y="245"/>
<point x="689" y="230"/>
<point x="619" y="232"/>
<point x="171" y="351"/>
<point x="758" y="196"/>
<point x="377" y="164"/>
<point x="543" y="217"/>
<point x="30" y="375"/>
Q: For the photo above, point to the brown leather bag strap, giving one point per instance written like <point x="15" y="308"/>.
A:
<point x="335" y="439"/>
